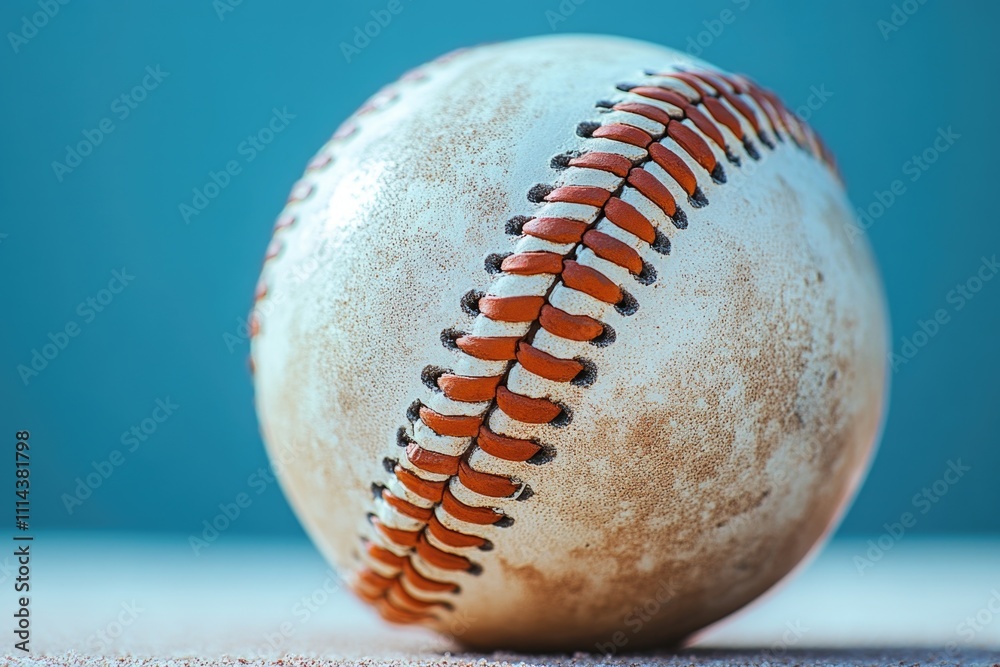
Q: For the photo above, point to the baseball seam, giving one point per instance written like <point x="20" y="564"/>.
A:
<point x="424" y="517"/>
<point x="571" y="261"/>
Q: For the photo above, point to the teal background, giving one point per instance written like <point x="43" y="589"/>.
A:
<point x="163" y="337"/>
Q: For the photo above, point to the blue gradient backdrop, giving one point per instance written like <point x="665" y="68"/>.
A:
<point x="891" y="89"/>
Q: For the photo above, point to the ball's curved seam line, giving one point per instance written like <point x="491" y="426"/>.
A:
<point x="652" y="113"/>
<point x="389" y="593"/>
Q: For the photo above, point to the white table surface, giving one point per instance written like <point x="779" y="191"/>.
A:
<point x="150" y="596"/>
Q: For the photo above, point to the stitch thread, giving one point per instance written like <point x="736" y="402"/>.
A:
<point x="419" y="518"/>
<point x="711" y="102"/>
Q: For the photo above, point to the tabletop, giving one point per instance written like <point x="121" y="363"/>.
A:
<point x="120" y="599"/>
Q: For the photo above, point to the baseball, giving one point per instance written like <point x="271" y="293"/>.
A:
<point x="566" y="343"/>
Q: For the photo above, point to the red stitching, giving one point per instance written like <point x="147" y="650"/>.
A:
<point x="672" y="163"/>
<point x="485" y="484"/>
<point x="626" y="217"/>
<point x="511" y="308"/>
<point x="650" y="112"/>
<point x="453" y="538"/>
<point x="526" y="409"/>
<point x="579" y="194"/>
<point x="532" y="263"/>
<point x="457" y="426"/>
<point x="712" y="104"/>
<point x="591" y="281"/>
<point x="572" y="327"/>
<point x="616" y="164"/>
<point x="441" y="559"/>
<point x="418" y="580"/>
<point x="547" y="366"/>
<point x="613" y="250"/>
<point x="483" y="516"/>
<point x="506" y="448"/>
<point x="557" y="230"/>
<point x="434" y="462"/>
<point x="624" y="133"/>
<point x="384" y="556"/>
<point x="426" y="489"/>
<point x="693" y="145"/>
<point x="468" y="389"/>
<point x="653" y="190"/>
<point x="488" y="348"/>
<point x="409" y="509"/>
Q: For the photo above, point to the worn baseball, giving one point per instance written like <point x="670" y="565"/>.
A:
<point x="569" y="343"/>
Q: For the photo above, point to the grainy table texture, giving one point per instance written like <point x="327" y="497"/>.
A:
<point x="134" y="600"/>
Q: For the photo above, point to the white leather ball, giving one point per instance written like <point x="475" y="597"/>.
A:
<point x="567" y="343"/>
